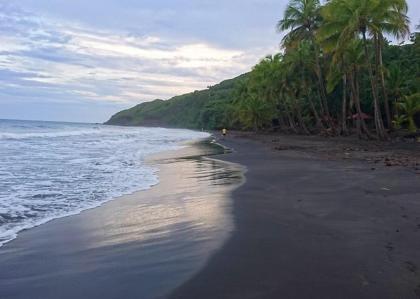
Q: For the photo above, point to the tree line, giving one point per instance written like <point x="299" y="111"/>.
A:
<point x="337" y="73"/>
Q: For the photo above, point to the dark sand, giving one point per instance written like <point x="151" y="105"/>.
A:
<point x="139" y="246"/>
<point x="312" y="226"/>
<point x="308" y="224"/>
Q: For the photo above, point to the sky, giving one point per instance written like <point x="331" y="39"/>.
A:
<point x="84" y="60"/>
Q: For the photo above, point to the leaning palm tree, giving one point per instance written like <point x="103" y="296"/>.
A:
<point x="302" y="18"/>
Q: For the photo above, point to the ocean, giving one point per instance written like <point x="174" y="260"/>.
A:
<point x="50" y="170"/>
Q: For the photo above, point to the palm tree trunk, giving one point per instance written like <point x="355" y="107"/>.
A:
<point x="379" y="125"/>
<point x="362" y="122"/>
<point x="282" y="122"/>
<point x="292" y="124"/>
<point x="344" y="107"/>
<point x="289" y="116"/>
<point x="321" y="106"/>
<point x="382" y="79"/>
<point x="299" y="116"/>
<point x="301" y="122"/>
<point x="318" y="120"/>
<point x="305" y="93"/>
<point x="356" y="99"/>
<point x="322" y="89"/>
<point x="358" y="127"/>
<point x="320" y="77"/>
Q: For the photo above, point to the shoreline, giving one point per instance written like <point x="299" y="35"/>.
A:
<point x="154" y="239"/>
<point x="310" y="224"/>
<point x="304" y="223"/>
<point x="151" y="159"/>
<point x="40" y="185"/>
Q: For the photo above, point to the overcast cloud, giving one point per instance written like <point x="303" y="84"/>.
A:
<point x="85" y="60"/>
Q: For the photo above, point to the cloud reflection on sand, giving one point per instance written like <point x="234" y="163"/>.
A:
<point x="191" y="198"/>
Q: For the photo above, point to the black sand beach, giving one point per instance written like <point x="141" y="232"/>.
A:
<point x="308" y="227"/>
<point x="304" y="227"/>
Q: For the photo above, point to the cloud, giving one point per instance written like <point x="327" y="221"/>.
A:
<point x="65" y="61"/>
<point x="95" y="57"/>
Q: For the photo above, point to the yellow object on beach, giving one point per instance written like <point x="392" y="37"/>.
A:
<point x="224" y="131"/>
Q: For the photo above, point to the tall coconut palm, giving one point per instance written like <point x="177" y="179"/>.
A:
<point x="352" y="18"/>
<point x="346" y="63"/>
<point x="390" y="18"/>
<point x="302" y="18"/>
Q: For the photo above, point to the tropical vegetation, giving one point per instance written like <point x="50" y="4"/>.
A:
<point x="337" y="73"/>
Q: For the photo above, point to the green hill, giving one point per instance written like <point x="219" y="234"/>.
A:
<point x="200" y="109"/>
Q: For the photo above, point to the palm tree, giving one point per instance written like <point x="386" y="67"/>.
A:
<point x="352" y="18"/>
<point x="391" y="18"/>
<point x="302" y="19"/>
<point x="352" y="59"/>
<point x="346" y="60"/>
<point x="300" y="63"/>
<point x="286" y="99"/>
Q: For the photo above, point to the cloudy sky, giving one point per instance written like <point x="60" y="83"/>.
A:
<point x="84" y="60"/>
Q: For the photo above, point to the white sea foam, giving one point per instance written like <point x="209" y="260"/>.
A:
<point x="52" y="170"/>
<point x="46" y="134"/>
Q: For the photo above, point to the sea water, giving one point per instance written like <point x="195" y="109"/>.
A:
<point x="50" y="170"/>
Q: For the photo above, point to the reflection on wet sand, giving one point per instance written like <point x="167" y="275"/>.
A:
<point x="191" y="197"/>
<point x="154" y="239"/>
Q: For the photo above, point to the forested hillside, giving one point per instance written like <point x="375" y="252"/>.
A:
<point x="206" y="109"/>
<point x="337" y="73"/>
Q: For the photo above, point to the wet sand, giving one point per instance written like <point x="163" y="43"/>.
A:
<point x="311" y="227"/>
<point x="138" y="246"/>
<point x="304" y="226"/>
